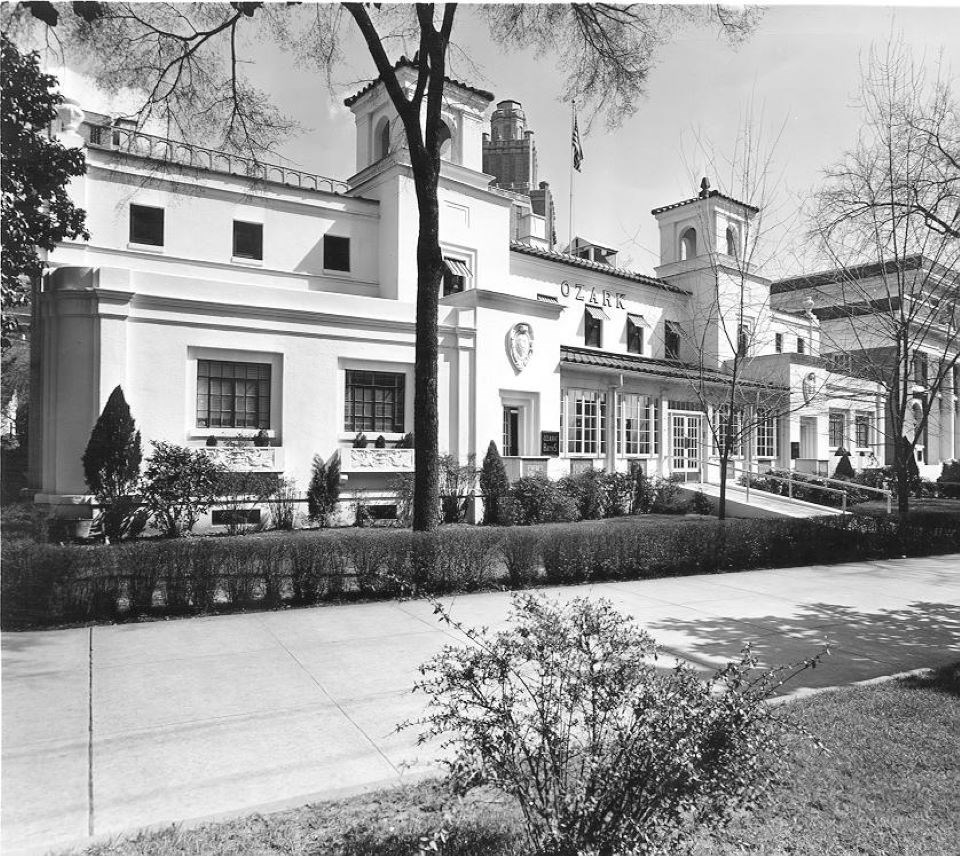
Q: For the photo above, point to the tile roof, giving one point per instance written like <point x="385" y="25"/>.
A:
<point x="403" y="62"/>
<point x="670" y="369"/>
<point x="576" y="261"/>
<point x="826" y="277"/>
<point x="712" y="194"/>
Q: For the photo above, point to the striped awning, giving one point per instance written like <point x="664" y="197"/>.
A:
<point x="637" y="320"/>
<point x="547" y="298"/>
<point x="457" y="268"/>
<point x="597" y="314"/>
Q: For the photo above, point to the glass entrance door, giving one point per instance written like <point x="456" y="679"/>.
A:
<point x="685" y="436"/>
<point x="511" y="431"/>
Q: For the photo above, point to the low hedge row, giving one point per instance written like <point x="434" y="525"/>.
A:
<point x="50" y="584"/>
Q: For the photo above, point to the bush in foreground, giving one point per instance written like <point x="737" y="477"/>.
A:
<point x="566" y="712"/>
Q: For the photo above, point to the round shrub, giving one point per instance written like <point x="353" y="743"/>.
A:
<point x="537" y="499"/>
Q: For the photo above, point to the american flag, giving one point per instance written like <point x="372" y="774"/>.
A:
<point x="577" y="148"/>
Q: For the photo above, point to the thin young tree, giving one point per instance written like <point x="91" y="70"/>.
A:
<point x="189" y="61"/>
<point x="727" y="340"/>
<point x="887" y="221"/>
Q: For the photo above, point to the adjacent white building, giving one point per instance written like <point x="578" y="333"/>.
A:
<point x="228" y="298"/>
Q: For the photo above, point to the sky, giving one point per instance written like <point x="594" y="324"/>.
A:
<point x="799" y="73"/>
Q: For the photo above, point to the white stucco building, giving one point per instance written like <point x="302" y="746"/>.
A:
<point x="226" y="298"/>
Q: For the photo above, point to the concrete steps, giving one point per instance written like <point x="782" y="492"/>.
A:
<point x="759" y="504"/>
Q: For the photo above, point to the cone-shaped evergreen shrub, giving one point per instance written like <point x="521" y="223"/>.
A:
<point x="111" y="464"/>
<point x="323" y="492"/>
<point x="844" y="468"/>
<point x="496" y="488"/>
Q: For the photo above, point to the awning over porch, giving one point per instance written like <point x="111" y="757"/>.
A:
<point x="650" y="367"/>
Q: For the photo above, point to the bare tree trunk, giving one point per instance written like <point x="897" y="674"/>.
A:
<point x="722" y="509"/>
<point x="426" y="485"/>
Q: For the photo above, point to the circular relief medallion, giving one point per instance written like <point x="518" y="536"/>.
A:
<point x="520" y="345"/>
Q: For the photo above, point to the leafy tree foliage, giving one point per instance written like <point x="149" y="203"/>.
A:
<point x="111" y="466"/>
<point x="566" y="711"/>
<point x="179" y="485"/>
<point x="37" y="212"/>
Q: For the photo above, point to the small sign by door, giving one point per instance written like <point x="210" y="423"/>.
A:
<point x="550" y="443"/>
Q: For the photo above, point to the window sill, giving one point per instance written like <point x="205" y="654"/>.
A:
<point x="241" y="260"/>
<point x="145" y="248"/>
<point x="340" y="274"/>
<point x="228" y="433"/>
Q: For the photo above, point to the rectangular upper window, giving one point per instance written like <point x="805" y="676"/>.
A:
<point x="455" y="276"/>
<point x="778" y="342"/>
<point x="374" y="402"/>
<point x="593" y="319"/>
<point x="801" y="345"/>
<point x="336" y="253"/>
<point x="146" y="225"/>
<point x="233" y="395"/>
<point x="634" y="334"/>
<point x="247" y="240"/>
<point x="862" y="428"/>
<point x="671" y="340"/>
<point x="837" y="428"/>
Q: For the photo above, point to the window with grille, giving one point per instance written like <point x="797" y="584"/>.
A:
<point x="862" y="430"/>
<point x="374" y="402"/>
<point x="233" y="395"/>
<point x="336" y="253"/>
<point x="920" y="365"/>
<point x="838" y="429"/>
<point x="146" y="225"/>
<point x="638" y="425"/>
<point x="585" y="421"/>
<point x="733" y="440"/>
<point x="247" y="240"/>
<point x="766" y="434"/>
<point x="671" y="340"/>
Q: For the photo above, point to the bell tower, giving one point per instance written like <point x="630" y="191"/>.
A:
<point x="705" y="248"/>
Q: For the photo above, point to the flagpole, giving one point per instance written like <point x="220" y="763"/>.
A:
<point x="573" y="120"/>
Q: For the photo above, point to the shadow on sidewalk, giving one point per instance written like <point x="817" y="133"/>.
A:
<point x="862" y="644"/>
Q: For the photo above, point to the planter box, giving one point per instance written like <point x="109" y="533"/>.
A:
<point x="242" y="459"/>
<point x="376" y="460"/>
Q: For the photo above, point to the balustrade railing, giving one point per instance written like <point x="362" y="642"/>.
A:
<point x="171" y="151"/>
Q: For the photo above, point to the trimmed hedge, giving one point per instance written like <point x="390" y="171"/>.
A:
<point x="49" y="584"/>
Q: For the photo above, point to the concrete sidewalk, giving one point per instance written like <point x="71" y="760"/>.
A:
<point x="110" y="728"/>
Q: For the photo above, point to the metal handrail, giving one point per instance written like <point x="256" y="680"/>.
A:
<point x="789" y="479"/>
<point x="187" y="154"/>
<point x="887" y="494"/>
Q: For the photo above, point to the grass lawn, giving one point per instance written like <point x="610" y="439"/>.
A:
<point x="926" y="504"/>
<point x="888" y="785"/>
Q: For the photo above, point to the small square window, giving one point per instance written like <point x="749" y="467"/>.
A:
<point x="336" y="253"/>
<point x="247" y="240"/>
<point x="146" y="225"/>
<point x="455" y="275"/>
